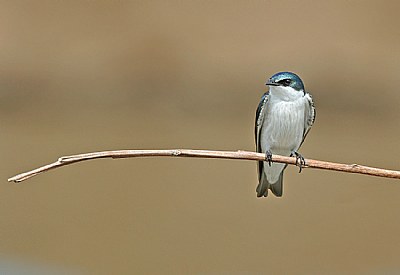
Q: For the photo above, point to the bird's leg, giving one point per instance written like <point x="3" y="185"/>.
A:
<point x="300" y="161"/>
<point x="268" y="157"/>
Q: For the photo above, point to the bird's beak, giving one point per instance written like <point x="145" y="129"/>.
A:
<point x="269" y="83"/>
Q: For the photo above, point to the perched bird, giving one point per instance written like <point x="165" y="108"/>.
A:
<point x="284" y="117"/>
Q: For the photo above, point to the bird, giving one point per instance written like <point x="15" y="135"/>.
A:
<point x="284" y="117"/>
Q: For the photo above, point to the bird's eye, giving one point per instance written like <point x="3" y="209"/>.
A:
<point x="285" y="82"/>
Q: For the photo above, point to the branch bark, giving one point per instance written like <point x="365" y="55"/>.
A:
<point x="241" y="155"/>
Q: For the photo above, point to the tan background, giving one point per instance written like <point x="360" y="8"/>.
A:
<point x="81" y="76"/>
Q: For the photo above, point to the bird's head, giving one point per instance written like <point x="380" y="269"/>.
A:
<point x="286" y="81"/>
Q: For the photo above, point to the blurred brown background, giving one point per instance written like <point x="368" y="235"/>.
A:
<point x="81" y="76"/>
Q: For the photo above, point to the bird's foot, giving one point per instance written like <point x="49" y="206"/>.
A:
<point x="268" y="157"/>
<point x="300" y="161"/>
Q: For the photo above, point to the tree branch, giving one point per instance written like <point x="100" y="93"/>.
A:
<point x="242" y="155"/>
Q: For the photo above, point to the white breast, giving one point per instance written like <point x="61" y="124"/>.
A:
<point x="283" y="127"/>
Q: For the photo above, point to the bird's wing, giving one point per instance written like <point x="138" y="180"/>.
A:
<point x="260" y="115"/>
<point x="309" y="116"/>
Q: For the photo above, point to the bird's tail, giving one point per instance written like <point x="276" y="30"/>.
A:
<point x="264" y="185"/>
<point x="277" y="187"/>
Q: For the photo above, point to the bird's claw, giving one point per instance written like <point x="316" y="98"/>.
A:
<point x="268" y="157"/>
<point x="300" y="161"/>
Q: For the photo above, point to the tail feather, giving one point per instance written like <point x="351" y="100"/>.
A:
<point x="262" y="187"/>
<point x="277" y="187"/>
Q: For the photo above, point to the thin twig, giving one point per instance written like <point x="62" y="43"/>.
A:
<point x="242" y="155"/>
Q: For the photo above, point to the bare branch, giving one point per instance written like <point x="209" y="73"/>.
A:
<point x="242" y="155"/>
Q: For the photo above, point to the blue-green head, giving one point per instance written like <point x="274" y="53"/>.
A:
<point x="286" y="79"/>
